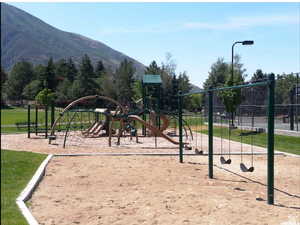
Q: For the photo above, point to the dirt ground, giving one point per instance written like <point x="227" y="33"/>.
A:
<point x="94" y="190"/>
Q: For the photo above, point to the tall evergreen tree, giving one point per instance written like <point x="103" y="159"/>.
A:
<point x="61" y="70"/>
<point x="50" y="78"/>
<point x="84" y="84"/>
<point x="100" y="69"/>
<point x="72" y="70"/>
<point x="153" y="68"/>
<point x="125" y="82"/>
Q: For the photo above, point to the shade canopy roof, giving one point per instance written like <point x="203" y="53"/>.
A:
<point x="151" y="79"/>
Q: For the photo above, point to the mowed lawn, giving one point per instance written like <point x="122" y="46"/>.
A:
<point x="281" y="142"/>
<point x="17" y="168"/>
<point x="10" y="117"/>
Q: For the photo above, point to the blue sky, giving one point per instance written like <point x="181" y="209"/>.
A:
<point x="196" y="34"/>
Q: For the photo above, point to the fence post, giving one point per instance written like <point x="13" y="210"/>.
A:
<point x="180" y="126"/>
<point x="36" y="120"/>
<point x="53" y="114"/>
<point x="291" y="107"/>
<point x="46" y="121"/>
<point x="271" y="88"/>
<point x="28" y="121"/>
<point x="144" y="107"/>
<point x="210" y="134"/>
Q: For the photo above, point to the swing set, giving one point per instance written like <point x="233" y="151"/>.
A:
<point x="270" y="85"/>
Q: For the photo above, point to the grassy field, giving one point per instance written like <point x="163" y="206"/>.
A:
<point x="17" y="114"/>
<point x="10" y="117"/>
<point x="282" y="143"/>
<point x="17" y="168"/>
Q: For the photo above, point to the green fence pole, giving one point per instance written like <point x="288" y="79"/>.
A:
<point x="180" y="127"/>
<point x="271" y="88"/>
<point x="144" y="107"/>
<point x="53" y="114"/>
<point x="46" y="121"/>
<point x="36" y="120"/>
<point x="210" y="134"/>
<point x="28" y="121"/>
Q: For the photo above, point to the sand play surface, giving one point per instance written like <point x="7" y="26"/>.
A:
<point x="128" y="190"/>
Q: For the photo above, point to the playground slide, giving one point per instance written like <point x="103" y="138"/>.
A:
<point x="96" y="132"/>
<point x="98" y="124"/>
<point x="90" y="128"/>
<point x="165" y="121"/>
<point x="153" y="129"/>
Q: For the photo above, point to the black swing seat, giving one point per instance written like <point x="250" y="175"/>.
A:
<point x="199" y="152"/>
<point x="52" y="137"/>
<point x="224" y="161"/>
<point x="186" y="147"/>
<point x="245" y="169"/>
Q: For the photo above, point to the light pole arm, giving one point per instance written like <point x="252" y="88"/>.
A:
<point x="232" y="55"/>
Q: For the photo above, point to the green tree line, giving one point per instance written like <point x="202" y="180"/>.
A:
<point x="66" y="81"/>
<point x="220" y="75"/>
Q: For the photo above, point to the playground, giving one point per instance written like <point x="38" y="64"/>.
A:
<point x="143" y="165"/>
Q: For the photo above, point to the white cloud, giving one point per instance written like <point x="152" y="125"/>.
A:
<point x="244" y="22"/>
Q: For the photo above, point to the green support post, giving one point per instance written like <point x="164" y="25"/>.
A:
<point x="144" y="107"/>
<point x="210" y="134"/>
<point x="36" y="119"/>
<point x="46" y="121"/>
<point x="271" y="88"/>
<point x="28" y="121"/>
<point x="180" y="126"/>
<point x="291" y="113"/>
<point x="53" y="114"/>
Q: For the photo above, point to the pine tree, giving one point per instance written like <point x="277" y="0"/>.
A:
<point x="100" y="69"/>
<point x="84" y="84"/>
<point x="72" y="70"/>
<point x="50" y="80"/>
<point x="125" y="82"/>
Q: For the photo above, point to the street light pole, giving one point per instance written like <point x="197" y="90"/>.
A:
<point x="232" y="68"/>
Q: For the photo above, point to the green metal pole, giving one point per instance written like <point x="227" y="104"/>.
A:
<point x="36" y="119"/>
<point x="46" y="121"/>
<point x="53" y="114"/>
<point x="180" y="127"/>
<point x="210" y="134"/>
<point x="291" y="114"/>
<point x="271" y="139"/>
<point x="28" y="121"/>
<point x="144" y="107"/>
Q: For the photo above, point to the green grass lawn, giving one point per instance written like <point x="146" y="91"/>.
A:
<point x="282" y="143"/>
<point x="9" y="118"/>
<point x="14" y="115"/>
<point x="18" y="114"/>
<point x="17" y="168"/>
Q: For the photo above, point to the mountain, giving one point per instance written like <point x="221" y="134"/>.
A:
<point x="25" y="37"/>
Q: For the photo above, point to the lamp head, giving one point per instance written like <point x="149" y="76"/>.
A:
<point x="248" y="42"/>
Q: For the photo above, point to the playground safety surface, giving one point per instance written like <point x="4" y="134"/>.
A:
<point x="158" y="189"/>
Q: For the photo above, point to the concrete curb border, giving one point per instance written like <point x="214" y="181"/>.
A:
<point x="29" y="189"/>
<point x="39" y="174"/>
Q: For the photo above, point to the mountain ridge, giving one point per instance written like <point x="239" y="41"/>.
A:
<point x="26" y="37"/>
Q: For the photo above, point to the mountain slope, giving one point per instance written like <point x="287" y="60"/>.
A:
<point x="25" y="37"/>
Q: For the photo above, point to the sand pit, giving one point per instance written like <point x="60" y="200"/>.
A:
<point x="157" y="189"/>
